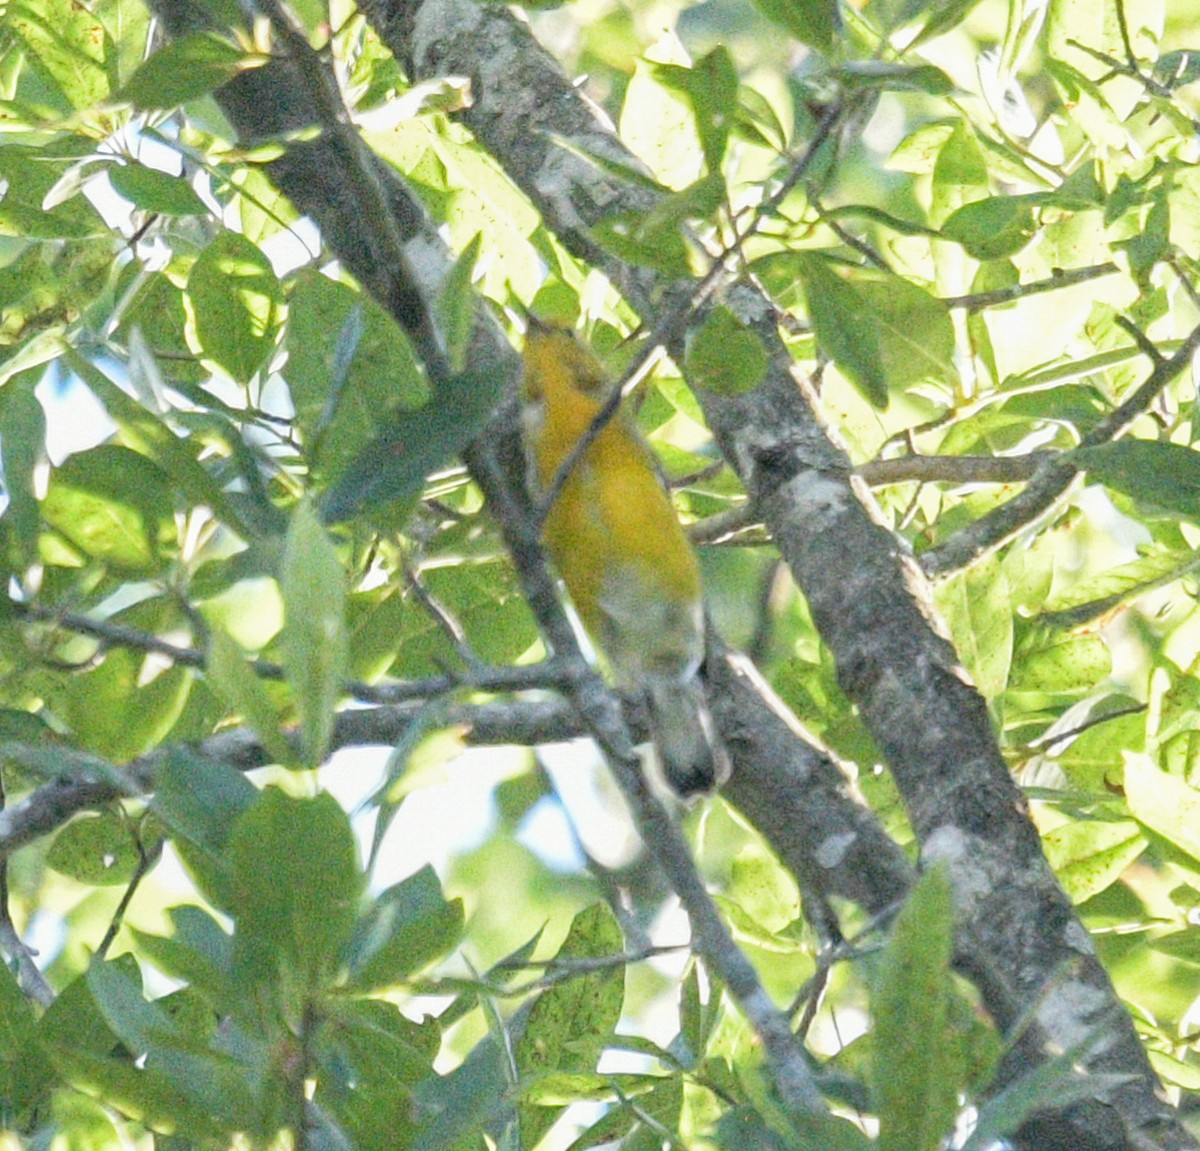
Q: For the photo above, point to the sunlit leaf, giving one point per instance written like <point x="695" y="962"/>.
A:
<point x="571" y="1021"/>
<point x="314" y="643"/>
<point x="884" y="333"/>
<point x="236" y="304"/>
<point x="916" y="1069"/>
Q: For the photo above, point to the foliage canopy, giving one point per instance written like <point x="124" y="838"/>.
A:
<point x="261" y="272"/>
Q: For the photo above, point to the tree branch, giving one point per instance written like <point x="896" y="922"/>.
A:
<point x="521" y="722"/>
<point x="1056" y="475"/>
<point x="954" y="469"/>
<point x="1061" y="278"/>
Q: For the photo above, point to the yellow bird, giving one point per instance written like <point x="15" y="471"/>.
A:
<point x="614" y="537"/>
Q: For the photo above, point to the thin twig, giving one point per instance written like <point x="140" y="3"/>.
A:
<point x="851" y="241"/>
<point x="145" y="861"/>
<point x="1061" y="278"/>
<point x="478" y="676"/>
<point x="1059" y="737"/>
<point x="659" y="831"/>
<point x="1054" y="478"/>
<point x="80" y="788"/>
<point x="1153" y="87"/>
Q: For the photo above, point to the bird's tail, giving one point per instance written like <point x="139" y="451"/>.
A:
<point x="692" y="754"/>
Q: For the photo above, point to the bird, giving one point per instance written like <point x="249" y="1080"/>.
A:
<point x="611" y="532"/>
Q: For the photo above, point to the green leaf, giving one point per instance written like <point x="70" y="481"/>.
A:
<point x="1121" y="583"/>
<point x="570" y="1023"/>
<point x="812" y="22"/>
<point x="759" y="122"/>
<point x="30" y="178"/>
<point x="1164" y="804"/>
<point x="200" y="801"/>
<point x="74" y="1019"/>
<point x="960" y="170"/>
<point x="198" y="952"/>
<point x="117" y="991"/>
<point x="236" y="301"/>
<point x="743" y="1127"/>
<point x="413" y="444"/>
<point x="229" y="672"/>
<point x="25" y="1072"/>
<point x="408" y="927"/>
<point x="295" y="886"/>
<point x="155" y="191"/>
<point x="23" y="436"/>
<point x="114" y="505"/>
<point x="67" y="45"/>
<point x="1178" y="68"/>
<point x="485" y="599"/>
<point x="711" y="87"/>
<point x="696" y="1017"/>
<point x="658" y="124"/>
<point x="82" y="1043"/>
<point x="1060" y="664"/>
<point x="313" y="641"/>
<point x="455" y="307"/>
<point x="98" y="850"/>
<point x="939" y="16"/>
<point x="1092" y="761"/>
<point x="144" y="431"/>
<point x="369" y="1058"/>
<point x="883" y="332"/>
<point x="916" y="1071"/>
<point x="627" y="235"/>
<point x="140" y="1091"/>
<point x="214" y="1082"/>
<point x="978" y="609"/>
<point x="112" y="712"/>
<point x="889" y="76"/>
<point x="1162" y="475"/>
<point x="467" y="1100"/>
<point x="994" y="228"/>
<point x="723" y="356"/>
<point x="1089" y="856"/>
<point x="349" y="366"/>
<point x="184" y="69"/>
<point x="1184" y="945"/>
<point x="402" y="1049"/>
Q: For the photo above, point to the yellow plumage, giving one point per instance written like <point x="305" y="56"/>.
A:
<point x="615" y="540"/>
